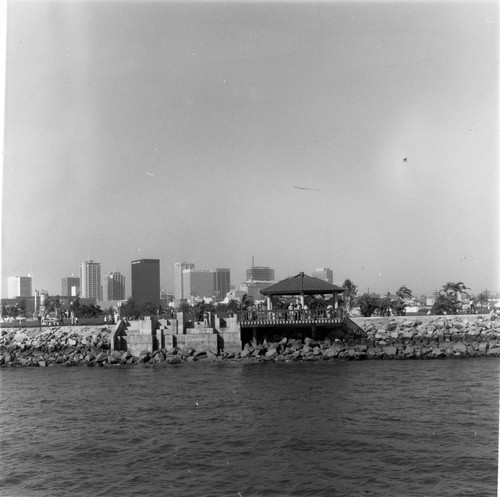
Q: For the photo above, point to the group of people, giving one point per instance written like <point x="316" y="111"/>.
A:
<point x="294" y="313"/>
<point x="58" y="320"/>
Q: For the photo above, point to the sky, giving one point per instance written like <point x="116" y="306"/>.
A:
<point x="359" y="136"/>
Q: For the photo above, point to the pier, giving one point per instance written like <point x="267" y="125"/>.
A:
<point x="279" y="318"/>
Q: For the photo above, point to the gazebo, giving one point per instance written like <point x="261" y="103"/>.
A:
<point x="299" y="286"/>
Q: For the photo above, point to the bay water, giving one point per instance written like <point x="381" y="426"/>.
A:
<point x="361" y="428"/>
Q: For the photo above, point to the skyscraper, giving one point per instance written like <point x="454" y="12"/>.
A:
<point x="258" y="278"/>
<point x="146" y="281"/>
<point x="179" y="287"/>
<point x="260" y="273"/>
<point x="90" y="280"/>
<point x="70" y="287"/>
<point x="324" y="273"/>
<point x="19" y="286"/>
<point x="198" y="283"/>
<point x="222" y="282"/>
<point x="113" y="286"/>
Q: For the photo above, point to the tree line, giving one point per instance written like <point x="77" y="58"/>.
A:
<point x="448" y="301"/>
<point x="453" y="298"/>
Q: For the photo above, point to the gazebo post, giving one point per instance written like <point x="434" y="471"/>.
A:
<point x="313" y="331"/>
<point x="302" y="289"/>
<point x="269" y="304"/>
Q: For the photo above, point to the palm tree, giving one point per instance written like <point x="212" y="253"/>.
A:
<point x="246" y="301"/>
<point x="233" y="306"/>
<point x="450" y="298"/>
<point x="482" y="298"/>
<point x="454" y="289"/>
<point x="350" y="290"/>
<point x="403" y="294"/>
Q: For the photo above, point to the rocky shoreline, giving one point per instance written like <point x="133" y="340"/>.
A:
<point x="366" y="338"/>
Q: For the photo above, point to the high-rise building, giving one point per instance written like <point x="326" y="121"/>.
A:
<point x="260" y="273"/>
<point x="70" y="287"/>
<point x="113" y="286"/>
<point x="146" y="281"/>
<point x="253" y="288"/>
<point x="19" y="286"/>
<point x="179" y="268"/>
<point x="90" y="280"/>
<point x="198" y="283"/>
<point x="258" y="278"/>
<point x="222" y="282"/>
<point x="324" y="273"/>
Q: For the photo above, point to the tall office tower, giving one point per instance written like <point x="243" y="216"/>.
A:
<point x="90" y="280"/>
<point x="222" y="282"/>
<point x="258" y="278"/>
<point x="324" y="273"/>
<point x="70" y="287"/>
<point x="19" y="286"/>
<point x="198" y="283"/>
<point x="179" y="267"/>
<point x="260" y="273"/>
<point x="146" y="281"/>
<point x="113" y="286"/>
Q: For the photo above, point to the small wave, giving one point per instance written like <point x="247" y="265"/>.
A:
<point x="280" y="431"/>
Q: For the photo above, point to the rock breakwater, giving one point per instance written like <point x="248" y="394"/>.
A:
<point x="367" y="338"/>
<point x="55" y="346"/>
<point x="429" y="337"/>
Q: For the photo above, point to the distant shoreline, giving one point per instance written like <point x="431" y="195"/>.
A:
<point x="394" y="338"/>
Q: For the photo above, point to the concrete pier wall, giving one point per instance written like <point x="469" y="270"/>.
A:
<point x="151" y="335"/>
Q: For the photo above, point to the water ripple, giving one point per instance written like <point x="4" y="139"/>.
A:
<point x="372" y="428"/>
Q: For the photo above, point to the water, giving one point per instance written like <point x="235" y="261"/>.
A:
<point x="373" y="428"/>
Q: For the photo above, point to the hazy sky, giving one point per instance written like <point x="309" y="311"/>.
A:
<point x="180" y="131"/>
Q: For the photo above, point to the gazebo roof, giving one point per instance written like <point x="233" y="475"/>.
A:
<point x="301" y="284"/>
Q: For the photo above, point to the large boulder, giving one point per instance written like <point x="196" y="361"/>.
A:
<point x="460" y="348"/>
<point x="389" y="351"/>
<point x="409" y="350"/>
<point x="113" y="360"/>
<point x="159" y="357"/>
<point x="392" y="326"/>
<point x="482" y="347"/>
<point x="437" y="352"/>
<point x="306" y="349"/>
<point x="361" y="347"/>
<point x="176" y="359"/>
<point x="101" y="357"/>
<point x="374" y="352"/>
<point x="125" y="356"/>
<point x="334" y="350"/>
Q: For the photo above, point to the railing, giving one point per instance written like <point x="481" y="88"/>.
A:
<point x="253" y="317"/>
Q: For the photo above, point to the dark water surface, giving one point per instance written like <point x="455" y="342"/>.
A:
<point x="374" y="428"/>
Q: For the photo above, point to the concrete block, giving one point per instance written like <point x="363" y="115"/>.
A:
<point x="199" y="331"/>
<point x="230" y="342"/>
<point x="137" y="343"/>
<point x="169" y="341"/>
<point x="207" y="341"/>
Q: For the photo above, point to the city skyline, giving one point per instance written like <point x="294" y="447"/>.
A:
<point x="264" y="272"/>
<point x="357" y="136"/>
